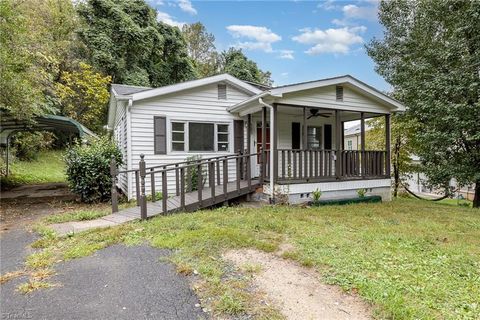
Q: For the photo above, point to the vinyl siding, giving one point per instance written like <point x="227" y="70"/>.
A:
<point x="120" y="137"/>
<point x="199" y="104"/>
<point x="326" y="98"/>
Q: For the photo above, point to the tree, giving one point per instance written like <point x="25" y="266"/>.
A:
<point x="22" y="77"/>
<point x="84" y="95"/>
<point x="124" y="40"/>
<point x="430" y="53"/>
<point x="238" y="65"/>
<point x="402" y="148"/>
<point x="201" y="48"/>
<point x="173" y="65"/>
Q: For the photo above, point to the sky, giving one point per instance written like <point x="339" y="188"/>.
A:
<point x="295" y="40"/>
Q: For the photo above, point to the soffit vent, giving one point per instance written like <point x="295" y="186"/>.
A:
<point x="222" y="92"/>
<point x="339" y="93"/>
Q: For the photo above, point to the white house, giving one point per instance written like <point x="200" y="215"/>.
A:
<point x="295" y="129"/>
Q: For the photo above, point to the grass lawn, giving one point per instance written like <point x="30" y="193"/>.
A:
<point x="48" y="167"/>
<point x="410" y="259"/>
<point x="457" y="202"/>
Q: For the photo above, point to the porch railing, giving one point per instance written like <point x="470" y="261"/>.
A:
<point x="311" y="165"/>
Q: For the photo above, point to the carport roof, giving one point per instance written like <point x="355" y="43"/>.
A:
<point x="44" y="122"/>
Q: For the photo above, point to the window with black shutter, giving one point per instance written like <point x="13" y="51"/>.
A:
<point x="160" y="135"/>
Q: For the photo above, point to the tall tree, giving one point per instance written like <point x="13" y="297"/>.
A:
<point x="84" y="95"/>
<point x="402" y="147"/>
<point x="238" y="65"/>
<point x="124" y="40"/>
<point x="430" y="53"/>
<point x="201" y="48"/>
<point x="171" y="64"/>
<point x="24" y="72"/>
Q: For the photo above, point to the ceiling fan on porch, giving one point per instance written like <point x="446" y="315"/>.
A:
<point x="315" y="113"/>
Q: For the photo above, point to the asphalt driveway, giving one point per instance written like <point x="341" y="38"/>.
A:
<point x="118" y="282"/>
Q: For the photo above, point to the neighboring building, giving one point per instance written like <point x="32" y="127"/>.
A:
<point x="352" y="138"/>
<point x="299" y="126"/>
<point x="417" y="183"/>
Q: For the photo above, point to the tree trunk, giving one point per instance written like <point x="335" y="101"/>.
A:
<point x="396" y="177"/>
<point x="476" y="197"/>
<point x="396" y="166"/>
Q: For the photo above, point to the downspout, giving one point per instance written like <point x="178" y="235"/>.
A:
<point x="129" y="147"/>
<point x="272" y="185"/>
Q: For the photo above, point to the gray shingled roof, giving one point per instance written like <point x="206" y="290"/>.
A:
<point x="123" y="89"/>
<point x="355" y="129"/>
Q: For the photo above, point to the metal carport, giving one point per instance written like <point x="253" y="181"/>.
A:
<point x="49" y="122"/>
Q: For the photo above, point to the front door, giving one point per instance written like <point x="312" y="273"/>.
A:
<point x="259" y="144"/>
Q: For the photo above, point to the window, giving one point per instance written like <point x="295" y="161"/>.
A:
<point x="314" y="137"/>
<point x="222" y="92"/>
<point x="197" y="136"/>
<point x="222" y="137"/>
<point x="339" y="93"/>
<point x="178" y="136"/>
<point x="159" y="135"/>
<point x="349" y="144"/>
<point x="201" y="136"/>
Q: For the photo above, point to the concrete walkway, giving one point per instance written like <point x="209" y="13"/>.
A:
<point x="110" y="220"/>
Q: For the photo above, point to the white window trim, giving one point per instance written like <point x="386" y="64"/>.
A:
<point x="175" y="131"/>
<point x="186" y="135"/>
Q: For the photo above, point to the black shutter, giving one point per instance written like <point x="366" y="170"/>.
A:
<point x="328" y="136"/>
<point x="160" y="135"/>
<point x="238" y="135"/>
<point x="296" y="128"/>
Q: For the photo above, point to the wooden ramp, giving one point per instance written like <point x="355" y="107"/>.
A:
<point x="192" y="202"/>
<point x="217" y="180"/>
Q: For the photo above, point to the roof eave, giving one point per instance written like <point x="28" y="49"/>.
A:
<point x="346" y="79"/>
<point x="194" y="84"/>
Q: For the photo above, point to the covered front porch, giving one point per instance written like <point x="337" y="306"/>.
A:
<point x="299" y="136"/>
<point x="308" y="145"/>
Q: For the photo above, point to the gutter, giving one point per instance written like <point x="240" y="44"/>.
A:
<point x="272" y="184"/>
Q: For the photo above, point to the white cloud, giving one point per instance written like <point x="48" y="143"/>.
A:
<point x="157" y="2"/>
<point x="330" y="40"/>
<point x="286" y="54"/>
<point x="263" y="37"/>
<point x="186" y="6"/>
<point x="263" y="46"/>
<point x="261" y="34"/>
<point x="168" y="19"/>
<point x="352" y="11"/>
<point x="327" y="5"/>
<point x="284" y="74"/>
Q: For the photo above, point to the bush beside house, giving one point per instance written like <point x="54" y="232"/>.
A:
<point x="88" y="169"/>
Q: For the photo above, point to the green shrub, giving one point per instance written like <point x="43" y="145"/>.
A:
<point x="191" y="178"/>
<point x="27" y="145"/>
<point x="316" y="195"/>
<point x="88" y="169"/>
<point x="361" y="193"/>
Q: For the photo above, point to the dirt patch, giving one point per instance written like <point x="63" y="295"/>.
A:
<point x="297" y="291"/>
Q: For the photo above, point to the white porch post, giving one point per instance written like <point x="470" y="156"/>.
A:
<point x="362" y="143"/>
